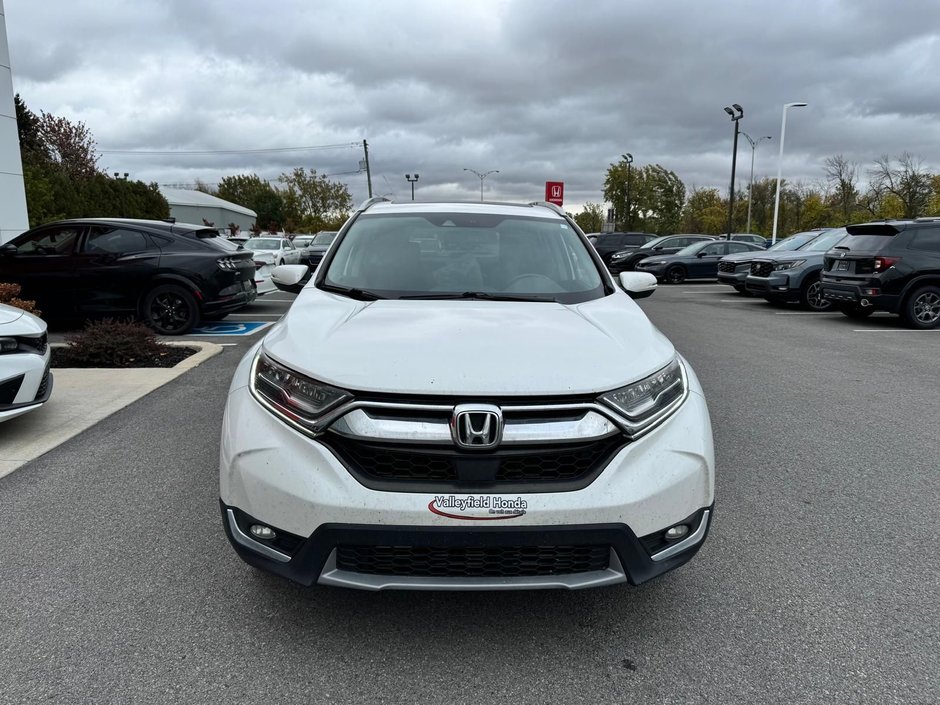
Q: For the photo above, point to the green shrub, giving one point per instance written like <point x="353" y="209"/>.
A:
<point x="114" y="343"/>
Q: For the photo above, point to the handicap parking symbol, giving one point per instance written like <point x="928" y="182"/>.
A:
<point x="230" y="328"/>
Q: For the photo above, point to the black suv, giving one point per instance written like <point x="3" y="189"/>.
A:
<point x="607" y="244"/>
<point x="890" y="266"/>
<point x="168" y="274"/>
<point x="625" y="260"/>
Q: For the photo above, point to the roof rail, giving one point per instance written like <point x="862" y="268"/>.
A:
<point x="554" y="206"/>
<point x="367" y="204"/>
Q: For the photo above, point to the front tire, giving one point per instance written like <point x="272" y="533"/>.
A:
<point x="811" y="296"/>
<point x="921" y="310"/>
<point x="170" y="310"/>
<point x="675" y="274"/>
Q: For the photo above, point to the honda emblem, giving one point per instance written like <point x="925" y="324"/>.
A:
<point x="477" y="426"/>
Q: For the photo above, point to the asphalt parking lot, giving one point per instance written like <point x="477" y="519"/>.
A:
<point x="817" y="583"/>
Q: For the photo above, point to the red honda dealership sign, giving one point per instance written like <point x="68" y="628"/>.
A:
<point x="555" y="192"/>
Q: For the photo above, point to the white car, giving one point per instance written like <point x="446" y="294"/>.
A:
<point x="280" y="248"/>
<point x="491" y="413"/>
<point x="25" y="379"/>
<point x="264" y="268"/>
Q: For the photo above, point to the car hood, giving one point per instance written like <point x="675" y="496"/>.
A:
<point x="318" y="248"/>
<point x="789" y="256"/>
<point x="461" y="348"/>
<point x="666" y="258"/>
<point x="16" y="321"/>
<point x="745" y="256"/>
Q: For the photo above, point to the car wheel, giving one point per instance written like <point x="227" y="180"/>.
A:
<point x="170" y="310"/>
<point x="921" y="309"/>
<point x="811" y="296"/>
<point x="675" y="274"/>
<point x="856" y="312"/>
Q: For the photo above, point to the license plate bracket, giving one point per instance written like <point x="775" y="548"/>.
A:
<point x="842" y="266"/>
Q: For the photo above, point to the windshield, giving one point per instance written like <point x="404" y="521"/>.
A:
<point x="324" y="238"/>
<point x="826" y="241"/>
<point x="693" y="248"/>
<point x="487" y="255"/>
<point x="652" y="243"/>
<point x="302" y="241"/>
<point x="794" y="242"/>
<point x="263" y="243"/>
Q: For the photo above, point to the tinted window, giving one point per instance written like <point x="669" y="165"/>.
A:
<point x="718" y="248"/>
<point x="325" y="238"/>
<point x="737" y="247"/>
<point x="631" y="240"/>
<point x="48" y="241"/>
<point x="115" y="241"/>
<point x="491" y="253"/>
<point x="928" y="240"/>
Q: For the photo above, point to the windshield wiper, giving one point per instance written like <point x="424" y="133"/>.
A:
<point x="352" y="292"/>
<point x="480" y="295"/>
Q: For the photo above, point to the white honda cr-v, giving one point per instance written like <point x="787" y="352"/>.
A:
<point x="462" y="398"/>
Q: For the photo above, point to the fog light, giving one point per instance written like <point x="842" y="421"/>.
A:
<point x="675" y="532"/>
<point x="260" y="531"/>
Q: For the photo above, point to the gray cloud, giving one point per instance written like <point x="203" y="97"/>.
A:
<point x="539" y="90"/>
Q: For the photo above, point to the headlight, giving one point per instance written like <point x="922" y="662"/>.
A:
<point x="789" y="265"/>
<point x="294" y="397"/>
<point x="650" y="401"/>
<point x="620" y="255"/>
<point x="654" y="262"/>
<point x="9" y="345"/>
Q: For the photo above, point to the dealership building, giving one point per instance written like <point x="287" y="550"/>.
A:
<point x="13" y="217"/>
<point x="189" y="206"/>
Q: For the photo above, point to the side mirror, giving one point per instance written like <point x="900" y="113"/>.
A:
<point x="8" y="249"/>
<point x="700" y="253"/>
<point x="638" y="285"/>
<point x="291" y="278"/>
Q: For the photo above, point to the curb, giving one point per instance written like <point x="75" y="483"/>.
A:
<point x="86" y="396"/>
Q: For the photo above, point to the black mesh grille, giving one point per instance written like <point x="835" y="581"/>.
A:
<point x="726" y="266"/>
<point x="762" y="269"/>
<point x="43" y="385"/>
<point x="472" y="562"/>
<point x="10" y="388"/>
<point x="430" y="463"/>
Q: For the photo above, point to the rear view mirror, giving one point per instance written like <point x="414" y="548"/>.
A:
<point x="291" y="277"/>
<point x="8" y="249"/>
<point x="638" y="285"/>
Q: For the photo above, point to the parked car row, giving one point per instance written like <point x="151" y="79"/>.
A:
<point x="622" y="252"/>
<point x="891" y="266"/>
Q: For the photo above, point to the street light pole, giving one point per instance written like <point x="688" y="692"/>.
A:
<point x="783" y="132"/>
<point x="736" y="112"/>
<point x="412" y="182"/>
<point x="750" y="188"/>
<point x="482" y="176"/>
<point x="628" y="158"/>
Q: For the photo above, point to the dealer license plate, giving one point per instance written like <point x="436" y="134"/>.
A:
<point x="842" y="266"/>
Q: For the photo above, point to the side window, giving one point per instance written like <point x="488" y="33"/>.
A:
<point x="287" y="244"/>
<point x="677" y="242"/>
<point x="926" y="240"/>
<point x="717" y="249"/>
<point x="116" y="241"/>
<point x="738" y="247"/>
<point x="49" y="241"/>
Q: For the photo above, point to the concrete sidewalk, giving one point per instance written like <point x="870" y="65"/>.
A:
<point x="80" y="399"/>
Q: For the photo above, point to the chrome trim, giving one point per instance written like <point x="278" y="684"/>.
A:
<point x="245" y="540"/>
<point x="631" y="429"/>
<point x="687" y="542"/>
<point x="360" y="425"/>
<point x="331" y="575"/>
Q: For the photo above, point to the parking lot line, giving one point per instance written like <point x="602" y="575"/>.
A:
<point x="742" y="301"/>
<point x="807" y="313"/>
<point x="894" y="330"/>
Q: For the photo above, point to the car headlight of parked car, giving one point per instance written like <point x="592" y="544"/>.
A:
<point x="653" y="263"/>
<point x="620" y="255"/>
<point x="650" y="401"/>
<point x="789" y="265"/>
<point x="299" y="400"/>
<point x="25" y="344"/>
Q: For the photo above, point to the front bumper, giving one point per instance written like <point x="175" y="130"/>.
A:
<point x="28" y="380"/>
<point x="315" y="559"/>
<point x="735" y="279"/>
<point x="657" y="270"/>
<point x="279" y="477"/>
<point x="776" y="287"/>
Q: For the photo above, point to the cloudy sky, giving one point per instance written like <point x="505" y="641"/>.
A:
<point x="538" y="89"/>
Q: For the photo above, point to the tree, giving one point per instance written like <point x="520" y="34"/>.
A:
<point x="591" y="218"/>
<point x="70" y="145"/>
<point x="313" y="202"/>
<point x="656" y="197"/>
<point x="705" y="212"/>
<point x="908" y="181"/>
<point x="842" y="177"/>
<point x="32" y="146"/>
<point x="253" y="192"/>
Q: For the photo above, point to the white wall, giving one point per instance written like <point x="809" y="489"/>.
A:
<point x="13" y="218"/>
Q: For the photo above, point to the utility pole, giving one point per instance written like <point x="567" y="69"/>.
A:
<point x="750" y="188"/>
<point x="736" y="113"/>
<point x="365" y="148"/>
<point x="412" y="182"/>
<point x="628" y="158"/>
